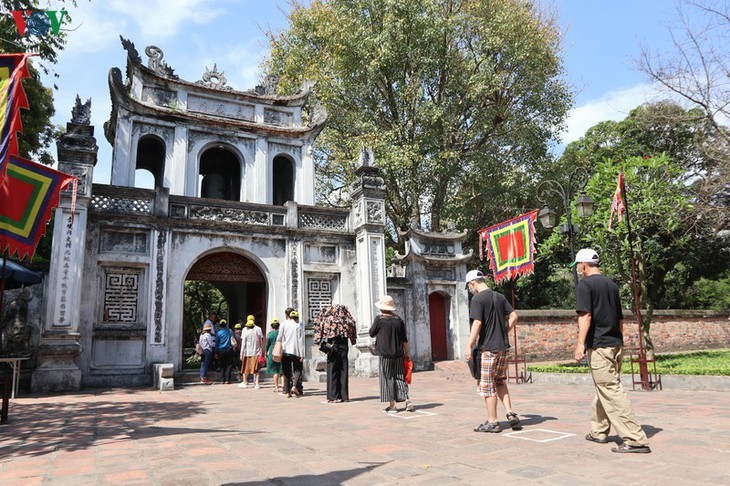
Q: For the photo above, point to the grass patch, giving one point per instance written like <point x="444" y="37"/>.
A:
<point x="714" y="362"/>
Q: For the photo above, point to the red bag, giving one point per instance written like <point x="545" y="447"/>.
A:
<point x="262" y="360"/>
<point x="408" y="369"/>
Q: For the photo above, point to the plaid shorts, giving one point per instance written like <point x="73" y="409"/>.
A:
<point x="494" y="373"/>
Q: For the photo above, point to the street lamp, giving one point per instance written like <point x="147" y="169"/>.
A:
<point x="584" y="205"/>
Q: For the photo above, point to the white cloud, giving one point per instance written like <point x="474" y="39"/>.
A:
<point x="614" y="105"/>
<point x="162" y="19"/>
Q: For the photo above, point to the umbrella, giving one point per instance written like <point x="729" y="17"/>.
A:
<point x="16" y="275"/>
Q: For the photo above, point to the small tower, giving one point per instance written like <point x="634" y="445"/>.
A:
<point x="77" y="155"/>
<point x="368" y="215"/>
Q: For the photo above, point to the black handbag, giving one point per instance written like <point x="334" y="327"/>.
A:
<point x="326" y="347"/>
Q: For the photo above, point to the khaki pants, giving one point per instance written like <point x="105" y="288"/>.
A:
<point x="611" y="406"/>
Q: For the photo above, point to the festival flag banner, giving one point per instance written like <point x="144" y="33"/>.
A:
<point x="28" y="196"/>
<point x="510" y="246"/>
<point x="13" y="69"/>
<point x="618" y="205"/>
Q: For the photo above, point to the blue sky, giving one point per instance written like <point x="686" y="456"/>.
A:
<point x="602" y="41"/>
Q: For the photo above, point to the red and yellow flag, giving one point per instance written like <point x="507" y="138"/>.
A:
<point x="28" y="196"/>
<point x="13" y="69"/>
<point x="510" y="246"/>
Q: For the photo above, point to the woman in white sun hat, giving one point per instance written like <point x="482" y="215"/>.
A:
<point x="391" y="344"/>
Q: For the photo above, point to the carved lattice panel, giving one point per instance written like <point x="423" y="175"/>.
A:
<point x="319" y="294"/>
<point x="226" y="267"/>
<point x="121" y="296"/>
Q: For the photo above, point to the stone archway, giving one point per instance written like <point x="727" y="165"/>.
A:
<point x="239" y="279"/>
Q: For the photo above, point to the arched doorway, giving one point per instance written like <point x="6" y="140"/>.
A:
<point x="437" y="306"/>
<point x="238" y="280"/>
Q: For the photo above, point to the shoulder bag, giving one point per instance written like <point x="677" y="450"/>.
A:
<point x="277" y="352"/>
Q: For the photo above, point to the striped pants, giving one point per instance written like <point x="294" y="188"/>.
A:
<point x="393" y="385"/>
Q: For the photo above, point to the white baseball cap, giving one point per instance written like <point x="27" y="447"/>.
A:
<point x="473" y="275"/>
<point x="586" y="255"/>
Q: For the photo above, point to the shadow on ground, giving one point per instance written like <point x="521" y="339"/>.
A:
<point x="334" y="477"/>
<point x="42" y="428"/>
<point x="532" y="419"/>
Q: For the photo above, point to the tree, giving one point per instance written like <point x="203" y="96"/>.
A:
<point x="696" y="70"/>
<point x="457" y="98"/>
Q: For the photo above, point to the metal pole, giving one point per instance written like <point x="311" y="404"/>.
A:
<point x="515" y="333"/>
<point x="571" y="235"/>
<point x="643" y="368"/>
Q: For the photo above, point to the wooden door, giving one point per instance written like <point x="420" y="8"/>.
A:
<point x="437" y="313"/>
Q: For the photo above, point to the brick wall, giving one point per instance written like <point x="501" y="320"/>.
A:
<point x="549" y="335"/>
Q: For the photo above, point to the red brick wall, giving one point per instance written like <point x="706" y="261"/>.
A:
<point x="550" y="335"/>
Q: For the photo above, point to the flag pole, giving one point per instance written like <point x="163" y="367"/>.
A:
<point x="643" y="368"/>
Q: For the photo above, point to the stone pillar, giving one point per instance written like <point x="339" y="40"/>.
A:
<point x="368" y="219"/>
<point x="77" y="155"/>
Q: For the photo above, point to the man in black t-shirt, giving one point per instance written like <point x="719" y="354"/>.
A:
<point x="600" y="338"/>
<point x="488" y="312"/>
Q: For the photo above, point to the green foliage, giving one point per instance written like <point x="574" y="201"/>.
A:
<point x="200" y="299"/>
<point x="710" y="294"/>
<point x="714" y="363"/>
<point x="450" y="94"/>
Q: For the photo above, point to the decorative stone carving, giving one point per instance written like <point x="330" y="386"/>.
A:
<point x="65" y="272"/>
<point x="294" y="273"/>
<point x="132" y="53"/>
<point x="376" y="211"/>
<point x="229" y="267"/>
<point x="167" y="134"/>
<point x="159" y="284"/>
<point x="81" y="113"/>
<point x="229" y="109"/>
<point x="214" y="79"/>
<point x="277" y="118"/>
<point x="82" y="174"/>
<point x="267" y="87"/>
<point x="159" y="97"/>
<point x="366" y="157"/>
<point x="16" y="333"/>
<point x="229" y="215"/>
<point x="323" y="221"/>
<point x="278" y="148"/>
<point x="156" y="64"/>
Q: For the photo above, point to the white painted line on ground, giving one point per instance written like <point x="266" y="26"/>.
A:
<point x="519" y="434"/>
<point x="411" y="415"/>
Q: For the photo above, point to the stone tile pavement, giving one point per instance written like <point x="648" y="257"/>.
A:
<point x="220" y="434"/>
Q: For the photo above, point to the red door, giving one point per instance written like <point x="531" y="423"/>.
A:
<point x="437" y="311"/>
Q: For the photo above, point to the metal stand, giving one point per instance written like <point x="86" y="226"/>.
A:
<point x="647" y="379"/>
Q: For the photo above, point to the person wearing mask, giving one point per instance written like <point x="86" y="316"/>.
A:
<point x="207" y="343"/>
<point x="224" y="349"/>
<point x="291" y="335"/>
<point x="252" y="341"/>
<point x="272" y="367"/>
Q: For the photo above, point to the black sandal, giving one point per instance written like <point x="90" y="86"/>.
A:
<point x="514" y="421"/>
<point x="589" y="437"/>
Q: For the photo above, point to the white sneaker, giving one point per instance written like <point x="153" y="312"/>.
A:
<point x="242" y="385"/>
<point x="256" y="387"/>
<point x="409" y="406"/>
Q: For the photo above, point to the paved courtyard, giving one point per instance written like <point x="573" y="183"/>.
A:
<point x="221" y="434"/>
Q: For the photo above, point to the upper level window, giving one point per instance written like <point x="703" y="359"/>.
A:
<point x="282" y="180"/>
<point x="150" y="162"/>
<point x="221" y="172"/>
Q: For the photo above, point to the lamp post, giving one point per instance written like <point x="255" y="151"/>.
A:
<point x="584" y="204"/>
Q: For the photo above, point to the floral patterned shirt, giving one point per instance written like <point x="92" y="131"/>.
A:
<point x="334" y="321"/>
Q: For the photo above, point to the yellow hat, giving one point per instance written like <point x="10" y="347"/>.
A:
<point x="250" y="317"/>
<point x="294" y="314"/>
<point x="223" y="321"/>
<point x="237" y="326"/>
